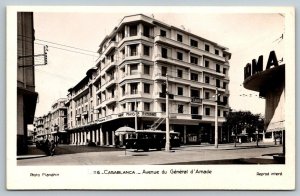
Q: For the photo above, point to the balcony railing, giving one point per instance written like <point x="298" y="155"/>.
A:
<point x="196" y="100"/>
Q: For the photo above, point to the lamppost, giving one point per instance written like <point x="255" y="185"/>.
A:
<point x="257" y="131"/>
<point x="216" y="119"/>
<point x="136" y="113"/>
<point x="167" y="147"/>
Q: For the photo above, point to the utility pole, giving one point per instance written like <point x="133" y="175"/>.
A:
<point x="216" y="120"/>
<point x="167" y="147"/>
<point x="135" y="118"/>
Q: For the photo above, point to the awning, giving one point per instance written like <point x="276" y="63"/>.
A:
<point x="278" y="119"/>
<point x="124" y="130"/>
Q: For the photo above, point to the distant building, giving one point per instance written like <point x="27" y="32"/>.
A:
<point x="26" y="95"/>
<point x="52" y="126"/>
<point x="39" y="128"/>
<point x="59" y="121"/>
<point x="130" y="75"/>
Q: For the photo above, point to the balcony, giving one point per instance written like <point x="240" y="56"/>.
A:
<point x="84" y="113"/>
<point x="182" y="98"/>
<point x="163" y="95"/>
<point x="206" y="118"/>
<point x="222" y="103"/>
<point x="109" y="65"/>
<point x="171" y="42"/>
<point x="112" y="45"/>
<point x="196" y="116"/>
<point x="111" y="100"/>
<point x="107" y="84"/>
<point x="78" y="116"/>
<point x="82" y="91"/>
<point x="196" y="100"/>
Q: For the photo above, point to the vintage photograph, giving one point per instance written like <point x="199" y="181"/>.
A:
<point x="136" y="87"/>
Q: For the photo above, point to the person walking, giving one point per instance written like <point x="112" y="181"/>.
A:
<point x="52" y="148"/>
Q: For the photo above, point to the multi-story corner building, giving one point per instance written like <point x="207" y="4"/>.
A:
<point x="59" y="121"/>
<point x="130" y="75"/>
<point x="26" y="95"/>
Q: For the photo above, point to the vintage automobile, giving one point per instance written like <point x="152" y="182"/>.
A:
<point x="150" y="139"/>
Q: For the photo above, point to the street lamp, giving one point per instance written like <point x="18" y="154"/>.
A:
<point x="167" y="147"/>
<point x="257" y="131"/>
<point x="216" y="119"/>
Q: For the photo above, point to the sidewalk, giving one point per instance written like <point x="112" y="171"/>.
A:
<point x="33" y="152"/>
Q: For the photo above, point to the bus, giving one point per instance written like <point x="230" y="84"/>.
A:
<point x="150" y="139"/>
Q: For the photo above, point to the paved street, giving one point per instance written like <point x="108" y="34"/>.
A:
<point x="246" y="153"/>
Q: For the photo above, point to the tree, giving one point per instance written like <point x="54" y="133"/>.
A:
<point x="243" y="120"/>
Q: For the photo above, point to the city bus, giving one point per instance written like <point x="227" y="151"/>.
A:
<point x="150" y="139"/>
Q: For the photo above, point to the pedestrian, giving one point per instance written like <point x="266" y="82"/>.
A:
<point x="52" y="148"/>
<point x="46" y="147"/>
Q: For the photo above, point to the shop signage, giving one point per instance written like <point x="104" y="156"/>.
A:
<point x="148" y="114"/>
<point x="257" y="65"/>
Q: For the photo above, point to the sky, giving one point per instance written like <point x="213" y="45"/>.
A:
<point x="247" y="36"/>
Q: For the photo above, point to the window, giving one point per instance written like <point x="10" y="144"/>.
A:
<point x="124" y="106"/>
<point x="147" y="69"/>
<point x="163" y="107"/>
<point x="195" y="93"/>
<point x="146" y="31"/>
<point x="194" y="110"/>
<point x="180" y="108"/>
<point x="133" y="51"/>
<point x="225" y="100"/>
<point x="194" y="43"/>
<point x="216" y="52"/>
<point x="123" y="90"/>
<point x="163" y="88"/>
<point x="146" y="88"/>
<point x="206" y="95"/>
<point x="218" y="68"/>
<point x="194" y="60"/>
<point x="179" y="37"/>
<point x="206" y="79"/>
<point x="133" y="69"/>
<point x="179" y="73"/>
<point x="224" y="71"/>
<point x="206" y="63"/>
<point x="112" y="58"/>
<point x="179" y="56"/>
<point x="133" y="31"/>
<point x="194" y="77"/>
<point x="207" y="111"/>
<point x="147" y="106"/>
<point x="163" y="33"/>
<point x="219" y="112"/>
<point x="217" y="83"/>
<point x="224" y="85"/>
<point x="179" y="91"/>
<point x="164" y="52"/>
<point x="164" y="71"/>
<point x="132" y="106"/>
<point x="206" y="47"/>
<point x="133" y="88"/>
<point x="146" y="50"/>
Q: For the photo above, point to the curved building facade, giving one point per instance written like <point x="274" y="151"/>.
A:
<point x="130" y="79"/>
<point x="270" y="83"/>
